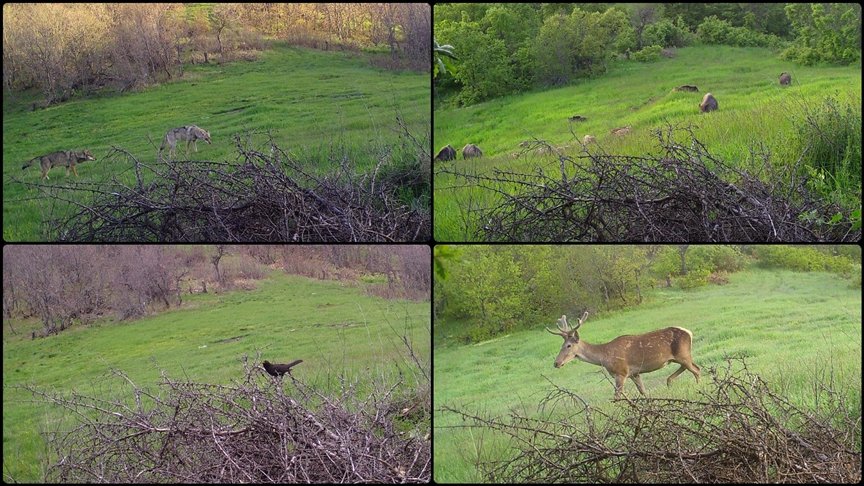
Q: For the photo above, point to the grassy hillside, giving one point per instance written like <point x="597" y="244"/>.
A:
<point x="333" y="328"/>
<point x="314" y="103"/>
<point x="754" y="109"/>
<point x="789" y="326"/>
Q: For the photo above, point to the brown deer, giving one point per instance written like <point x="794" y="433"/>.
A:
<point x="629" y="356"/>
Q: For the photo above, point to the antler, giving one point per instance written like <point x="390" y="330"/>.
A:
<point x="564" y="329"/>
<point x="582" y="319"/>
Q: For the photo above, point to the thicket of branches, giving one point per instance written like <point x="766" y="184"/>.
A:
<point x="255" y="430"/>
<point x="738" y="431"/>
<point x="65" y="285"/>
<point x="61" y="49"/>
<point x="264" y="197"/>
<point x="682" y="194"/>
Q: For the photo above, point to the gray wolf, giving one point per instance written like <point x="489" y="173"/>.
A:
<point x="189" y="133"/>
<point x="63" y="158"/>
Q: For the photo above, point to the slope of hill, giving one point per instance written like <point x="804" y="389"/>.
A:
<point x="754" y="109"/>
<point x="793" y="328"/>
<point x="336" y="329"/>
<point x="315" y="104"/>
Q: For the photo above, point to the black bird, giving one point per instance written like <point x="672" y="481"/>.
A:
<point x="280" y="369"/>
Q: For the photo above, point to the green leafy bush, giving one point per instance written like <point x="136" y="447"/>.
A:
<point x="824" y="33"/>
<point x="803" y="259"/>
<point x="666" y="34"/>
<point x="694" y="278"/>
<point x="716" y="31"/>
<point x="648" y="54"/>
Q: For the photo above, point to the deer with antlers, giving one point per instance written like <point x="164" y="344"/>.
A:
<point x="629" y="356"/>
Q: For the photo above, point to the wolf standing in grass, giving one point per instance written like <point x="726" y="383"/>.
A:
<point x="189" y="133"/>
<point x="63" y="158"/>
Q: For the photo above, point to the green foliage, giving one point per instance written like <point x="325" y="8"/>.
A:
<point x="701" y="259"/>
<point x="716" y="31"/>
<point x="765" y="18"/>
<point x="666" y="34"/>
<point x="499" y="289"/>
<point x="504" y="48"/>
<point x="648" y="54"/>
<point x="829" y="135"/>
<point x="803" y="259"/>
<point x="824" y="33"/>
<point x="554" y="52"/>
<point x="443" y="59"/>
<point x="694" y="278"/>
<point x="714" y="258"/>
<point x="512" y="23"/>
<point x="484" y="71"/>
<point x="579" y="45"/>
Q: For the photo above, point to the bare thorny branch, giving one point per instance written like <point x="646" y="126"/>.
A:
<point x="682" y="194"/>
<point x="263" y="197"/>
<point x="258" y="429"/>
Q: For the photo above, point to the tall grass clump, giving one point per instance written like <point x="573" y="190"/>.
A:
<point x="830" y="133"/>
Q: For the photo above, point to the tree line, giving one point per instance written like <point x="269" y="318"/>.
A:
<point x="64" y="49"/>
<point x="63" y="285"/>
<point x="501" y="288"/>
<point x="501" y="49"/>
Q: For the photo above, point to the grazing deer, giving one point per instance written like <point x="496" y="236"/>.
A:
<point x="629" y="356"/>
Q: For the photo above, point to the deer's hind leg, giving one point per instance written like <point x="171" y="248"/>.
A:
<point x="638" y="380"/>
<point x="684" y="366"/>
<point x="675" y="375"/>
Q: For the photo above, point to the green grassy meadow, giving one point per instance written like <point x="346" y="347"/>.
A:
<point x="753" y="109"/>
<point x="337" y="330"/>
<point x="789" y="326"/>
<point x="317" y="105"/>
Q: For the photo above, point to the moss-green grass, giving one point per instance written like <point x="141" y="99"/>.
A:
<point x="754" y="109"/>
<point x="790" y="327"/>
<point x="315" y="103"/>
<point x="334" y="328"/>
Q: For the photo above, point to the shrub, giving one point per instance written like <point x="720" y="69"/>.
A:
<point x="648" y="54"/>
<point x="716" y="31"/>
<point x="723" y="258"/>
<point x="665" y="33"/>
<point x="824" y="33"/>
<point x="802" y="259"/>
<point x="694" y="278"/>
<point x="713" y="30"/>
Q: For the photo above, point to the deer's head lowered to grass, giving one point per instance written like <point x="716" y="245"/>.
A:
<point x="629" y="356"/>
